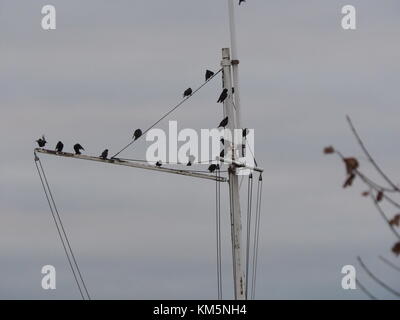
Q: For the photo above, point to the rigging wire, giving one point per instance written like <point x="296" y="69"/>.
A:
<point x="248" y="232"/>
<point x="168" y="113"/>
<point x="60" y="228"/>
<point x="218" y="232"/>
<point x="256" y="236"/>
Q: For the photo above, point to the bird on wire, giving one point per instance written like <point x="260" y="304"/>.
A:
<point x="78" y="148"/>
<point x="59" y="146"/>
<point x="209" y="74"/>
<point x="137" y="134"/>
<point x="224" y="123"/>
<point x="191" y="160"/>
<point x="213" y="167"/>
<point x="188" y="92"/>
<point x="223" y="96"/>
<point x="41" y="142"/>
<point x="104" y="154"/>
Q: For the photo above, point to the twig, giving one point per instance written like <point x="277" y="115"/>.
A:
<point x="366" y="152"/>
<point x="380" y="282"/>
<point x="363" y="289"/>
<point x="389" y="263"/>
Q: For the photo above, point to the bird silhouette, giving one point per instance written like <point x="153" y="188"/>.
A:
<point x="188" y="92"/>
<point x="137" y="134"/>
<point x="240" y="2"/>
<point x="59" y="146"/>
<point x="78" y="148"/>
<point x="222" y="154"/>
<point x="104" y="154"/>
<point x="209" y="74"/>
<point x="245" y="132"/>
<point x="223" y="123"/>
<point x="41" y="142"/>
<point x="159" y="163"/>
<point x="223" y="96"/>
<point x="213" y="167"/>
<point x="191" y="160"/>
<point x="222" y="140"/>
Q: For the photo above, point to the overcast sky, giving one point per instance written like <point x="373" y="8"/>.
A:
<point x="114" y="66"/>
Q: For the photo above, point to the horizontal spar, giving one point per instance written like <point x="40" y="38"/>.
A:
<point x="131" y="164"/>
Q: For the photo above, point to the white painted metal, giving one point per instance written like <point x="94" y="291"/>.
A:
<point x="133" y="165"/>
<point x="235" y="64"/>
<point x="236" y="220"/>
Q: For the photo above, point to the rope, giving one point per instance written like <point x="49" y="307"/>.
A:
<point x="168" y="113"/>
<point x="249" y="206"/>
<point x="256" y="237"/>
<point x="60" y="228"/>
<point x="218" y="232"/>
<point x="232" y="204"/>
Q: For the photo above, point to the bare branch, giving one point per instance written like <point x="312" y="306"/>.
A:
<point x="376" y="279"/>
<point x="363" y="289"/>
<point x="389" y="263"/>
<point x="373" y="162"/>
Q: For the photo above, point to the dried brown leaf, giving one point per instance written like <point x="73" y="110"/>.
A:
<point x="349" y="181"/>
<point x="351" y="164"/>
<point x="329" y="150"/>
<point x="395" y="221"/>
<point x="396" y="249"/>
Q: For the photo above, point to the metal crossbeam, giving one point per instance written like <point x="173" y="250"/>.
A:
<point x="132" y="164"/>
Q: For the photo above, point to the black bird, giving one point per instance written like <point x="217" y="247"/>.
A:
<point x="245" y="132"/>
<point x="104" y="154"/>
<point x="59" y="146"/>
<point x="41" y="142"/>
<point x="240" y="2"/>
<point x="209" y="74"/>
<point x="222" y="154"/>
<point x="191" y="160"/>
<point x="78" y="148"/>
<point x="137" y="134"/>
<point x="223" y="123"/>
<point x="222" y="141"/>
<point x="213" y="167"/>
<point x="159" y="163"/>
<point x="188" y="92"/>
<point x="223" y="96"/>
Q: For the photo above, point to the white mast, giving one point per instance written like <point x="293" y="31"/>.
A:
<point x="232" y="110"/>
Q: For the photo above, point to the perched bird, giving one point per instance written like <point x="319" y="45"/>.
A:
<point x="78" y="148"/>
<point x="41" y="142"/>
<point x="222" y="140"/>
<point x="209" y="74"/>
<point x="213" y="167"/>
<point x="223" y="123"/>
<point x="223" y="96"/>
<point x="222" y="154"/>
<point x="240" y="2"/>
<point x="191" y="160"/>
<point x="159" y="163"/>
<point x="245" y="132"/>
<point x="59" y="146"/>
<point x="104" y="154"/>
<point x="188" y="92"/>
<point x="137" y="134"/>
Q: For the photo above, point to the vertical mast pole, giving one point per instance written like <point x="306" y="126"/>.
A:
<point x="235" y="62"/>
<point x="236" y="220"/>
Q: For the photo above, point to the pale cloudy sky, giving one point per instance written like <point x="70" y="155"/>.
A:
<point x="113" y="66"/>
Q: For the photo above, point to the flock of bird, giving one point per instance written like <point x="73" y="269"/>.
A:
<point x="138" y="132"/>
